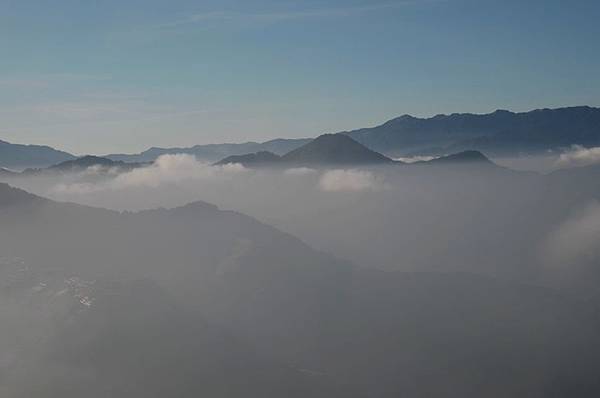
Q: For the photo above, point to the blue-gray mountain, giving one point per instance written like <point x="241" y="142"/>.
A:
<point x="22" y="156"/>
<point x="215" y="152"/>
<point x="168" y="301"/>
<point x="339" y="150"/>
<point x="325" y="150"/>
<point x="498" y="133"/>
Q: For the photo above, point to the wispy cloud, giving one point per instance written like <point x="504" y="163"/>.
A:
<point x="167" y="170"/>
<point x="350" y="180"/>
<point x="579" y="156"/>
<point x="270" y="17"/>
<point x="46" y="80"/>
<point x="576" y="239"/>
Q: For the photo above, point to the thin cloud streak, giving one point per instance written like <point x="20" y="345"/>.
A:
<point x="46" y="80"/>
<point x="268" y="17"/>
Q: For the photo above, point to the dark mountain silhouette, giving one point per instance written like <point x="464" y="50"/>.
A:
<point x="340" y="150"/>
<point x="221" y="304"/>
<point x="325" y="150"/>
<point x="215" y="152"/>
<point x="7" y="173"/>
<point x="500" y="132"/>
<point x="333" y="149"/>
<point x="257" y="159"/>
<point x="120" y="316"/>
<point x="465" y="157"/>
<point x="103" y="166"/>
<point x="144" y="344"/>
<point x="85" y="162"/>
<point x="10" y="196"/>
<point x="19" y="156"/>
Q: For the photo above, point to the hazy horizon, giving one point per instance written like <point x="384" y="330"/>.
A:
<point x="124" y="76"/>
<point x="451" y="254"/>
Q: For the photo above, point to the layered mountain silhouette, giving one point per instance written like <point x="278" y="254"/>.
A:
<point x="77" y="165"/>
<point x="500" y="132"/>
<point x="258" y="159"/>
<point x="20" y="156"/>
<point x="10" y="196"/>
<point x="461" y="158"/>
<point x="214" y="152"/>
<point x="7" y="173"/>
<point x="88" y="161"/>
<point x="325" y="150"/>
<point x="198" y="299"/>
<point x="332" y="150"/>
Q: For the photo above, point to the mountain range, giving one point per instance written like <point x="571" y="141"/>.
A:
<point x="339" y="150"/>
<point x="325" y="150"/>
<point x="19" y="156"/>
<point x="234" y="308"/>
<point x="214" y="152"/>
<point x="501" y="133"/>
<point x="328" y="150"/>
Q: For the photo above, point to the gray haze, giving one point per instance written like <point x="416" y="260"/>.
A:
<point x="437" y="280"/>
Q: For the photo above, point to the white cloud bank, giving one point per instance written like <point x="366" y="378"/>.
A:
<point x="299" y="171"/>
<point x="350" y="180"/>
<point x="579" y="156"/>
<point x="413" y="159"/>
<point x="576" y="239"/>
<point x="167" y="169"/>
<point x="175" y="168"/>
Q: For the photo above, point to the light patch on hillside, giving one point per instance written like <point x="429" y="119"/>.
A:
<point x="579" y="156"/>
<point x="299" y="171"/>
<point x="350" y="180"/>
<point x="414" y="159"/>
<point x="576" y="239"/>
<point x="167" y="169"/>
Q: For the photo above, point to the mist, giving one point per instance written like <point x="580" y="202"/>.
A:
<point x="301" y="273"/>
<point x="410" y="218"/>
<point x="310" y="199"/>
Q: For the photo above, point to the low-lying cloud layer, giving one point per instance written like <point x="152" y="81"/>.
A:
<point x="185" y="171"/>
<point x="579" y="156"/>
<point x="577" y="239"/>
<point x="413" y="159"/>
<point x="424" y="218"/>
<point x="350" y="180"/>
<point x="167" y="169"/>
<point x="175" y="168"/>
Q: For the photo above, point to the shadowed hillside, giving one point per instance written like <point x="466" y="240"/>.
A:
<point x="232" y="302"/>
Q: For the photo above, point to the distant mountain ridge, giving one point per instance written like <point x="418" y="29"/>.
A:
<point x="258" y="159"/>
<point x="325" y="150"/>
<point x="215" y="152"/>
<point x="19" y="156"/>
<point x="501" y="132"/>
<point x="87" y="161"/>
<point x="464" y="157"/>
<point x="339" y="150"/>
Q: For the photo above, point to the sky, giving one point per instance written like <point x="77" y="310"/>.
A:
<point x="124" y="75"/>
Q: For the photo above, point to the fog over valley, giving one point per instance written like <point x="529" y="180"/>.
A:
<point x="314" y="199"/>
<point x="329" y="271"/>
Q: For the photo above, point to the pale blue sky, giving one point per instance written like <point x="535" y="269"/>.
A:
<point x="120" y="76"/>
